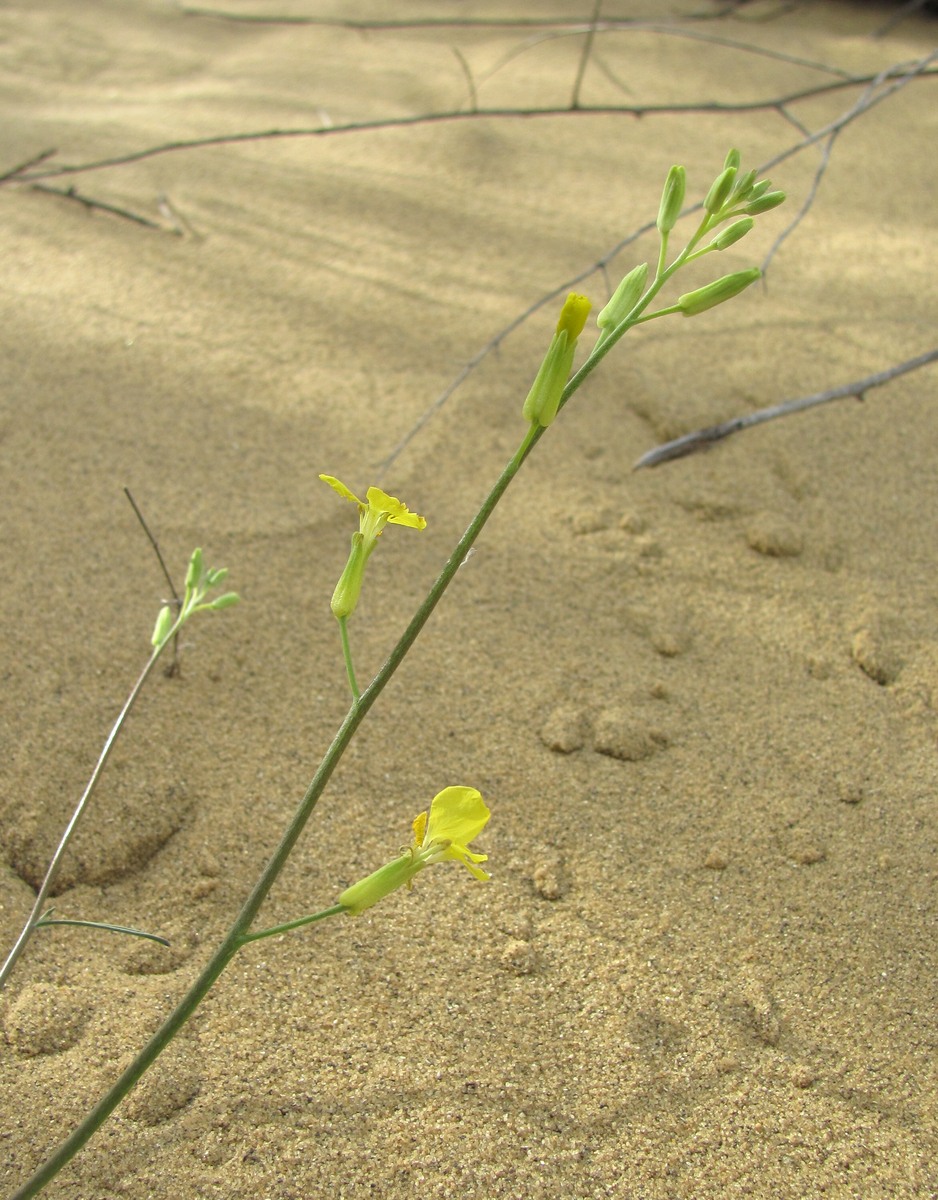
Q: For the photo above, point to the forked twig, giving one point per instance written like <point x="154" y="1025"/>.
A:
<point x="896" y="77"/>
<point x="689" y="443"/>
<point x="71" y="193"/>
<point x="585" y="55"/>
<point x="173" y="668"/>
<point x="457" y="116"/>
<point x="23" y="167"/>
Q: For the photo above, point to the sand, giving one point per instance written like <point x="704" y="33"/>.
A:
<point x="701" y="701"/>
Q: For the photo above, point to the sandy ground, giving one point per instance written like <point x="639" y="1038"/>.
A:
<point x="700" y="700"/>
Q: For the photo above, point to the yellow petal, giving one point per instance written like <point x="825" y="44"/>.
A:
<point x="397" y="512"/>
<point x="468" y="859"/>
<point x="420" y="828"/>
<point x="340" y="487"/>
<point x="573" y="315"/>
<point x="457" y="815"/>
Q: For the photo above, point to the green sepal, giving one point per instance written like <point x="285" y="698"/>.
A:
<point x="380" y="883"/>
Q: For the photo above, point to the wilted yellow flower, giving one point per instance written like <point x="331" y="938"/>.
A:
<point x="378" y="510"/>
<point x="456" y="816"/>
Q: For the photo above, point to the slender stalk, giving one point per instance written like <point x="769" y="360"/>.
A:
<point x="287" y="926"/>
<point x="238" y="934"/>
<point x="52" y="870"/>
<point x="347" y="655"/>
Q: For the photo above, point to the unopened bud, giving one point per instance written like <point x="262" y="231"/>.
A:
<point x="164" y="623"/>
<point x="227" y="600"/>
<point x="698" y="301"/>
<point x="758" y="189"/>
<point x="720" y="190"/>
<point x="765" y="202"/>
<point x="624" y="298"/>
<point x="194" y="571"/>
<point x="543" y="400"/>
<point x="672" y="199"/>
<point x="576" y="309"/>
<point x="732" y="233"/>
<point x="742" y="188"/>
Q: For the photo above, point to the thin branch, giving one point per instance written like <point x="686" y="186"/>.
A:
<point x="585" y="56"/>
<point x="665" y="30"/>
<point x="904" y="11"/>
<point x="475" y="23"/>
<point x="87" y="202"/>
<point x="174" y="667"/>
<point x="457" y="115"/>
<point x="156" y="548"/>
<point x="470" y="82"/>
<point x="22" y="167"/>
<point x="809" y="139"/>
<point x="689" y="443"/>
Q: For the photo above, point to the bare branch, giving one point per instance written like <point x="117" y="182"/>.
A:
<point x="700" y="438"/>
<point x="456" y="115"/>
<point x="70" y="193"/>
<point x="585" y="56"/>
<point x="470" y="82"/>
<point x="868" y="100"/>
<point x="19" y="170"/>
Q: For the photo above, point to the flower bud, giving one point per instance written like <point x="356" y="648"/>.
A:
<point x="194" y="571"/>
<point x="624" y="298"/>
<point x="765" y="202"/>
<point x="576" y="309"/>
<point x="543" y="400"/>
<point x="758" y="189"/>
<point x="732" y="233"/>
<point x="226" y="600"/>
<point x="698" y="301"/>
<point x="672" y="199"/>
<point x="164" y="623"/>
<point x="742" y="188"/>
<point x="720" y="190"/>
<point x="732" y="160"/>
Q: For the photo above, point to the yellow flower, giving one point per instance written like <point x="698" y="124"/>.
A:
<point x="378" y="510"/>
<point x="456" y="816"/>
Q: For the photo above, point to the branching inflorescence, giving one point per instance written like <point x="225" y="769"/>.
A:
<point x="456" y="815"/>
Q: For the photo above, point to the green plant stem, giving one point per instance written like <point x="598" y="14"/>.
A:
<point x="297" y="924"/>
<point x="347" y="655"/>
<point x="52" y="870"/>
<point x="238" y="934"/>
<point x="662" y="275"/>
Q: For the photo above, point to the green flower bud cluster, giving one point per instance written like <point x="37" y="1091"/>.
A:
<point x="199" y="582"/>
<point x="735" y="195"/>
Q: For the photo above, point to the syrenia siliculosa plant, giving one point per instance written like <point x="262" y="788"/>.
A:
<point x="457" y="815"/>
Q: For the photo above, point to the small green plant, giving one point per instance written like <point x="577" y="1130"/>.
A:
<point x="200" y="580"/>
<point x="456" y="815"/>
